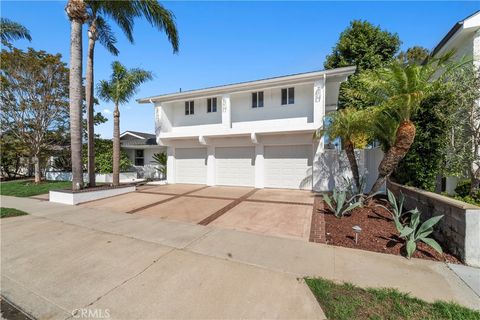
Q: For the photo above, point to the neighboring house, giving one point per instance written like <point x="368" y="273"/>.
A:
<point x="140" y="148"/>
<point x="256" y="133"/>
<point x="464" y="37"/>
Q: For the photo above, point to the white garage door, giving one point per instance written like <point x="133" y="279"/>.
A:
<point x="235" y="166"/>
<point x="288" y="166"/>
<point x="191" y="165"/>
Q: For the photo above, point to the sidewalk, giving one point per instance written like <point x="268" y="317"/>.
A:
<point x="62" y="258"/>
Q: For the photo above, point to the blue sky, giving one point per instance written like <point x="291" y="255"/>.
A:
<point x="225" y="42"/>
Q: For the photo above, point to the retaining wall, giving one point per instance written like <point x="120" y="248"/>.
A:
<point x="459" y="230"/>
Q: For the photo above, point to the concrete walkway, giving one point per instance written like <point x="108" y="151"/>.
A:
<point x="64" y="258"/>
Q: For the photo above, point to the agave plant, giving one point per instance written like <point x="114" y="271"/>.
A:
<point x="414" y="232"/>
<point x="397" y="208"/>
<point x="339" y="204"/>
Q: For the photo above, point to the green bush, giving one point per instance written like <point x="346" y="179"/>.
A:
<point x="104" y="157"/>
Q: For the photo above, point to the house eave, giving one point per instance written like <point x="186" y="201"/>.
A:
<point x="251" y="85"/>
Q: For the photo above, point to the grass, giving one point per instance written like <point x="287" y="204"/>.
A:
<point x="11" y="212"/>
<point x="346" y="301"/>
<point x="29" y="188"/>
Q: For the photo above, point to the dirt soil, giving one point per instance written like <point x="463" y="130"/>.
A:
<point x="378" y="234"/>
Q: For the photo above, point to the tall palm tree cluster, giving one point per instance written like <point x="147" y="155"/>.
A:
<point x="124" y="82"/>
<point x="396" y="92"/>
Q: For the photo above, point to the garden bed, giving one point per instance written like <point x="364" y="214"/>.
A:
<point x="378" y="234"/>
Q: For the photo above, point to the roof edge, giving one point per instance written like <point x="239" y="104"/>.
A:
<point x="457" y="26"/>
<point x="239" y="85"/>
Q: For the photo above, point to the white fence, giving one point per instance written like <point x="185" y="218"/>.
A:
<point x="332" y="168"/>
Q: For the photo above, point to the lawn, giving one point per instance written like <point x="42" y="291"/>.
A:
<point x="346" y="301"/>
<point x="29" y="188"/>
<point x="11" y="212"/>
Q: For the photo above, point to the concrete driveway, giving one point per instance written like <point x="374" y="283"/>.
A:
<point x="61" y="262"/>
<point x="277" y="212"/>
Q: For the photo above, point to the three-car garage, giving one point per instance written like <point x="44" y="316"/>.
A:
<point x="269" y="166"/>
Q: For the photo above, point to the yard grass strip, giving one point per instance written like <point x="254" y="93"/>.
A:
<point x="30" y="188"/>
<point x="11" y="212"/>
<point x="346" y="301"/>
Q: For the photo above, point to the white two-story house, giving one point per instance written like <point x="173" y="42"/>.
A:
<point x="257" y="133"/>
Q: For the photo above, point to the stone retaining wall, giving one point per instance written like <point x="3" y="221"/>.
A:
<point x="459" y="230"/>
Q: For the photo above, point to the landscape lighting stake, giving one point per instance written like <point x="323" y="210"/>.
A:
<point x="357" y="231"/>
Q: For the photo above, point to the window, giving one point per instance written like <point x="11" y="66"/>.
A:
<point x="189" y="108"/>
<point x="288" y="96"/>
<point x="139" y="160"/>
<point x="212" y="105"/>
<point x="257" y="99"/>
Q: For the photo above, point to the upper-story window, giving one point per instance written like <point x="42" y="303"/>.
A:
<point x="189" y="108"/>
<point x="288" y="96"/>
<point x="257" y="99"/>
<point x="212" y="105"/>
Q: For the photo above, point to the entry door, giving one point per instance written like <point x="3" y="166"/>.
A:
<point x="288" y="166"/>
<point x="191" y="165"/>
<point x="235" y="166"/>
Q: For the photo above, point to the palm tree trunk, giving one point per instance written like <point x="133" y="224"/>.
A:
<point x="116" y="146"/>
<point x="350" y="151"/>
<point x="403" y="141"/>
<point x="90" y="111"/>
<point x="77" y="14"/>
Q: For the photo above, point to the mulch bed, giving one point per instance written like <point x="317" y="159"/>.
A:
<point x="378" y="234"/>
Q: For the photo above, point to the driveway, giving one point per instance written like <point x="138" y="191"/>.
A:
<point x="277" y="212"/>
<point x="60" y="259"/>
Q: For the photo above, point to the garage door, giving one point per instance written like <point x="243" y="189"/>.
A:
<point x="191" y="165"/>
<point x="235" y="166"/>
<point x="288" y="166"/>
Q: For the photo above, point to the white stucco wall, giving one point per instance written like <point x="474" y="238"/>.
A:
<point x="273" y="109"/>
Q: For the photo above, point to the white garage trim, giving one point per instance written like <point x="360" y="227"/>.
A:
<point x="235" y="166"/>
<point x="191" y="165"/>
<point x="288" y="166"/>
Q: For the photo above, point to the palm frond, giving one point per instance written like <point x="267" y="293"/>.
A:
<point x="106" y="37"/>
<point x="160" y="17"/>
<point x="10" y="31"/>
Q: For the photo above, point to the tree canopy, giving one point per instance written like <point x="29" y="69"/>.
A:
<point x="363" y="45"/>
<point x="34" y="99"/>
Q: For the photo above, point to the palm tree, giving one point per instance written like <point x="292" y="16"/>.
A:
<point x="122" y="85"/>
<point x="123" y="14"/>
<point x="398" y="90"/>
<point x="10" y="31"/>
<point x="351" y="127"/>
<point x="77" y="13"/>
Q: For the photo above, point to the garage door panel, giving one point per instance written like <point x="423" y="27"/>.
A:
<point x="288" y="166"/>
<point x="235" y="166"/>
<point x="191" y="165"/>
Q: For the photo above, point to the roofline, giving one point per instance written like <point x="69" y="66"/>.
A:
<point x="306" y="76"/>
<point x="132" y="134"/>
<point x="450" y="34"/>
